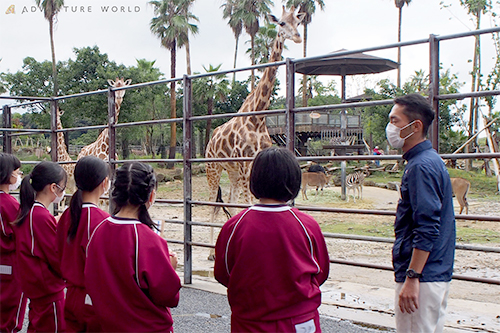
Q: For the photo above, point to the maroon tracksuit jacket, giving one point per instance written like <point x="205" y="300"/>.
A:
<point x="129" y="277"/>
<point x="80" y="317"/>
<point x="39" y="270"/>
<point x="12" y="300"/>
<point x="272" y="258"/>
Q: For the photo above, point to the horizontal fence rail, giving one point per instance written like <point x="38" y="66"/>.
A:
<point x="288" y="115"/>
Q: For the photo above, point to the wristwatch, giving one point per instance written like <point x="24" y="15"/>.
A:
<point x="411" y="274"/>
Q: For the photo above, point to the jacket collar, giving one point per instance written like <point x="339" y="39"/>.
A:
<point x="417" y="149"/>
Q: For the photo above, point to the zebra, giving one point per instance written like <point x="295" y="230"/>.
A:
<point x="354" y="181"/>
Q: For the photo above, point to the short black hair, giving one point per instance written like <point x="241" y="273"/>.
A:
<point x="417" y="107"/>
<point x="8" y="163"/>
<point x="275" y="175"/>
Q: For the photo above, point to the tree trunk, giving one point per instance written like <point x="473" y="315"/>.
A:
<point x="473" y="110"/>
<point x="210" y="107"/>
<point x="235" y="57"/>
<point x="173" y="107"/>
<point x="252" y="40"/>
<point x="400" y="21"/>
<point x="188" y="58"/>
<point x="304" y="77"/>
<point x="125" y="148"/>
<point x="53" y="50"/>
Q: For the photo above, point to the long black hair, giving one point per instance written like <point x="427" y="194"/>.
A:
<point x="90" y="172"/>
<point x="42" y="175"/>
<point x="133" y="185"/>
<point x="8" y="163"/>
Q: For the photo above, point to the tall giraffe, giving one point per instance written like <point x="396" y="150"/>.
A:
<point x="63" y="156"/>
<point x="246" y="136"/>
<point x="100" y="147"/>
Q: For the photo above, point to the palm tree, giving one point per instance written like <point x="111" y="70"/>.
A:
<point x="190" y="28"/>
<point x="399" y="4"/>
<point x="250" y="11"/>
<point x="170" y="25"/>
<point x="50" y="10"/>
<point x="308" y="8"/>
<point x="264" y="41"/>
<point x="236" y="24"/>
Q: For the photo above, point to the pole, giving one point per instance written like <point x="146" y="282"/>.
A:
<point x="188" y="188"/>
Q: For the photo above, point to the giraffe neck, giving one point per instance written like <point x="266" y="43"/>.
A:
<point x="62" y="152"/>
<point x="118" y="104"/>
<point x="260" y="97"/>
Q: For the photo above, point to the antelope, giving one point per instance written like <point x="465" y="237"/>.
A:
<point x="460" y="188"/>
<point x="317" y="179"/>
<point x="355" y="181"/>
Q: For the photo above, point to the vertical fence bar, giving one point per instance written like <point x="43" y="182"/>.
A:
<point x="7" y="123"/>
<point x="188" y="190"/>
<point x="53" y="128"/>
<point x="290" y="104"/>
<point x="434" y="88"/>
<point x="111" y="139"/>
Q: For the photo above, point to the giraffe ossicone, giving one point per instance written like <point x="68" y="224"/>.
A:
<point x="246" y="136"/>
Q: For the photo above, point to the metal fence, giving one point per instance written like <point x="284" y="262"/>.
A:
<point x="288" y="114"/>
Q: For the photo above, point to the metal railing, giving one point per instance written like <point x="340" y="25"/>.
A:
<point x="288" y="114"/>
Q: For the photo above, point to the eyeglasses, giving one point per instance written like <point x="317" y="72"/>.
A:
<point x="61" y="188"/>
<point x="19" y="172"/>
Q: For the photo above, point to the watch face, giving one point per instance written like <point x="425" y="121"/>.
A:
<point x="412" y="274"/>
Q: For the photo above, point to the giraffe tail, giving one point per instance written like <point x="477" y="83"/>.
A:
<point x="219" y="199"/>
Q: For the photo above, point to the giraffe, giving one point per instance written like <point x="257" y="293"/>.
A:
<point x="100" y="147"/>
<point x="246" y="136"/>
<point x="63" y="156"/>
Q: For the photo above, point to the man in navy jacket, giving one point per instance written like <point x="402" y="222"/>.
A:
<point x="424" y="249"/>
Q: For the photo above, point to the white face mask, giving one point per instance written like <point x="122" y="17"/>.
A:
<point x="393" y="132"/>
<point x="59" y="199"/>
<point x="15" y="186"/>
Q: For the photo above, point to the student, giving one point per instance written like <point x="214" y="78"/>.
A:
<point x="129" y="273"/>
<point x="271" y="257"/>
<point x="73" y="233"/>
<point x="35" y="233"/>
<point x="12" y="299"/>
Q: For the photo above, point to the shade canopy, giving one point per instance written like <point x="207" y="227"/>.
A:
<point x="350" y="64"/>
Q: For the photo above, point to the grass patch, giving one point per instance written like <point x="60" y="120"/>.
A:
<point x="351" y="228"/>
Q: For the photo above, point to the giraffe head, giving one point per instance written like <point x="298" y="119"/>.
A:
<point x="117" y="84"/>
<point x="59" y="114"/>
<point x="288" y="24"/>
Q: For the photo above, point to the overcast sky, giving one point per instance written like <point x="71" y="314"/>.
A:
<point x="122" y="31"/>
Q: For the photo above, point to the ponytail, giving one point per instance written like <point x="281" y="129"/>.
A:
<point x="75" y="207"/>
<point x="27" y="198"/>
<point x="90" y="171"/>
<point x="43" y="174"/>
<point x="145" y="218"/>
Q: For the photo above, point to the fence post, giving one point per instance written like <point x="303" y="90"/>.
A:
<point x="290" y="104"/>
<point x="7" y="123"/>
<point x="53" y="128"/>
<point x="188" y="190"/>
<point x="434" y="88"/>
<point x="111" y="140"/>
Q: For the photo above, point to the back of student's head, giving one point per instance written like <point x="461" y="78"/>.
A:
<point x="90" y="172"/>
<point x="134" y="182"/>
<point x="417" y="107"/>
<point x="8" y="163"/>
<point x="275" y="175"/>
<point x="43" y="174"/>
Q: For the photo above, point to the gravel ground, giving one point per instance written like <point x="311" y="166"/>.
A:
<point x="202" y="311"/>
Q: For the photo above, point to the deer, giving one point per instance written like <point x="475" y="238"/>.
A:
<point x="461" y="188"/>
<point x="318" y="179"/>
